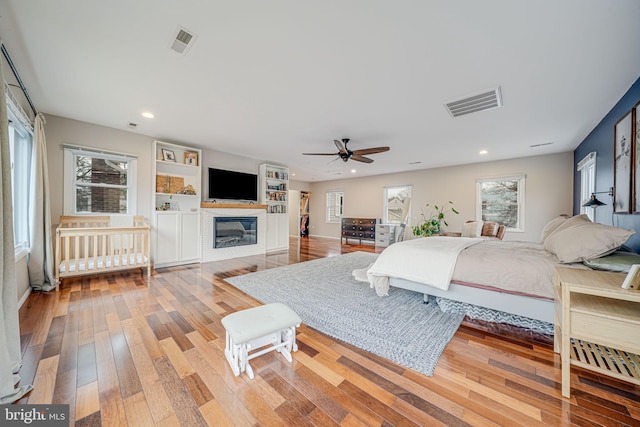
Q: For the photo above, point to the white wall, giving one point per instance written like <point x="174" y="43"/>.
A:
<point x="219" y="160"/>
<point x="59" y="131"/>
<point x="549" y="190"/>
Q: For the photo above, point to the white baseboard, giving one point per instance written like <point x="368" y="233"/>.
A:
<point x="24" y="297"/>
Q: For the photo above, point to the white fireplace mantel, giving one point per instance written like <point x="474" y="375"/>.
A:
<point x="207" y="215"/>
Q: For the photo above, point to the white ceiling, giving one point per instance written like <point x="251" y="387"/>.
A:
<point x="273" y="79"/>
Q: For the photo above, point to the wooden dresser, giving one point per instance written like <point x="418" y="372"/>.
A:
<point x="358" y="228"/>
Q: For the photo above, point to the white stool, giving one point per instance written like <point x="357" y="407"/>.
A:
<point x="271" y="324"/>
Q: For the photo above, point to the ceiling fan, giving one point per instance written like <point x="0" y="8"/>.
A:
<point x="345" y="154"/>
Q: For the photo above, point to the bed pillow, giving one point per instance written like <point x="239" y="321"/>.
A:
<point x="551" y="226"/>
<point x="570" y="222"/>
<point x="489" y="228"/>
<point x="618" y="261"/>
<point x="585" y="241"/>
<point x="472" y="229"/>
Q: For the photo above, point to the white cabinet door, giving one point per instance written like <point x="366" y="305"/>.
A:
<point x="189" y="236"/>
<point x="283" y="232"/>
<point x="167" y="234"/>
<point x="277" y="232"/>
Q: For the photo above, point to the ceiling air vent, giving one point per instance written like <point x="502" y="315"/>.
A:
<point x="479" y="102"/>
<point x="183" y="40"/>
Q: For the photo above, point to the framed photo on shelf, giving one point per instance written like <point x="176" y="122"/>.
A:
<point x="191" y="158"/>
<point x="622" y="163"/>
<point x="635" y="115"/>
<point x="168" y="155"/>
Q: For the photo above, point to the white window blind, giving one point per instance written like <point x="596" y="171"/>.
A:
<point x="335" y="202"/>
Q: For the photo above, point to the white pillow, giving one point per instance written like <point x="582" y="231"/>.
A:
<point x="472" y="229"/>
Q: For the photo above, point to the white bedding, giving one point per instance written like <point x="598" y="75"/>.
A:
<point x="520" y="268"/>
<point x="427" y="260"/>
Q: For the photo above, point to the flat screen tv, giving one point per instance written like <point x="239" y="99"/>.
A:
<point x="232" y="185"/>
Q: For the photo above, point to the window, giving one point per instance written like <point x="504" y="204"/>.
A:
<point x="20" y="146"/>
<point x="396" y="204"/>
<point x="98" y="182"/>
<point x="587" y="169"/>
<point x="335" y="201"/>
<point x="501" y="200"/>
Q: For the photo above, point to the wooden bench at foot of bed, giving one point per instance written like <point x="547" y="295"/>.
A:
<point x="89" y="245"/>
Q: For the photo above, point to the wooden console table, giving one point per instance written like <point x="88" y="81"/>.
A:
<point x="597" y="324"/>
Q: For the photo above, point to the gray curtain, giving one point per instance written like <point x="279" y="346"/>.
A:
<point x="10" y="357"/>
<point x="40" y="248"/>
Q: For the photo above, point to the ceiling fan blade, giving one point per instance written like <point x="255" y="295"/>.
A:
<point x="333" y="160"/>
<point x="371" y="150"/>
<point x="359" y="158"/>
<point x="340" y="145"/>
<point x="320" y="154"/>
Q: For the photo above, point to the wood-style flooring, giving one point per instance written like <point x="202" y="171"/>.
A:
<point x="122" y="349"/>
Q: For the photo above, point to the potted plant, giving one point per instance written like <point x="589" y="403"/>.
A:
<point x="432" y="224"/>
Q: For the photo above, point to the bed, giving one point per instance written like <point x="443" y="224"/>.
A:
<point x="509" y="276"/>
<point x="90" y="245"/>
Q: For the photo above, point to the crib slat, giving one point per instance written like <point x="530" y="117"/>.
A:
<point x="76" y="252"/>
<point x="111" y="249"/>
<point x="103" y="250"/>
<point x="121" y="249"/>
<point x="85" y="252"/>
<point x="66" y="245"/>
<point x="136" y="236"/>
<point x="95" y="250"/>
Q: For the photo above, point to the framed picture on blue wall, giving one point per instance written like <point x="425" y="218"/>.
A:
<point x="622" y="152"/>
<point x="635" y="115"/>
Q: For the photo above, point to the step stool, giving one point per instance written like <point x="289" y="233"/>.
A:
<point x="253" y="328"/>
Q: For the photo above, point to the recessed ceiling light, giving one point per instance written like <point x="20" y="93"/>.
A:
<point x="483" y="152"/>
<point x="293" y="174"/>
<point x="148" y="115"/>
<point x="353" y="171"/>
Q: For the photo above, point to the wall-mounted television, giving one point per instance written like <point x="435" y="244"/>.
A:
<point x="232" y="185"/>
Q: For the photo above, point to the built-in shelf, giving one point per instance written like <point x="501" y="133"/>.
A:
<point x="176" y="220"/>
<point x="274" y="192"/>
<point x="176" y="168"/>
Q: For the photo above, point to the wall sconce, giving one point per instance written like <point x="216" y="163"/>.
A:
<point x="594" y="202"/>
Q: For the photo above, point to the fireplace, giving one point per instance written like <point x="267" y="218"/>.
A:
<point x="235" y="231"/>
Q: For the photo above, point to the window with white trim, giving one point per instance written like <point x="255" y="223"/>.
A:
<point x="396" y="203"/>
<point x="501" y="200"/>
<point x="99" y="182"/>
<point x="20" y="148"/>
<point x="587" y="169"/>
<point x="335" y="203"/>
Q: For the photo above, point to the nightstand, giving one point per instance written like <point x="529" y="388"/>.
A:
<point x="597" y="324"/>
<point x="384" y="235"/>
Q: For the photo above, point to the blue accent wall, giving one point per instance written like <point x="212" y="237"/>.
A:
<point x="600" y="140"/>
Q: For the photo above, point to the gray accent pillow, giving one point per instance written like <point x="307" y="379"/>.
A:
<point x="619" y="261"/>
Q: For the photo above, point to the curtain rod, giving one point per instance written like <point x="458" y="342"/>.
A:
<point x="15" y="73"/>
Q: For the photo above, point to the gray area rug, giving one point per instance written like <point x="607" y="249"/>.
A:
<point x="325" y="295"/>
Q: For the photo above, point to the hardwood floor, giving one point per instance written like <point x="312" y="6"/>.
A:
<point x="122" y="349"/>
